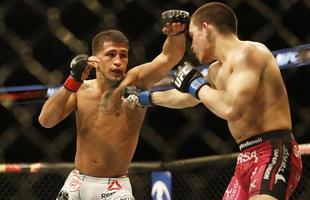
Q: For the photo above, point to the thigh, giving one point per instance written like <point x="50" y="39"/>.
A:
<point x="122" y="195"/>
<point x="71" y="188"/>
<point x="262" y="197"/>
<point x="124" y="191"/>
<point x="235" y="190"/>
<point x="279" y="176"/>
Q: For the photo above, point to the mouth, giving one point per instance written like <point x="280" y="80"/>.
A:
<point x="117" y="72"/>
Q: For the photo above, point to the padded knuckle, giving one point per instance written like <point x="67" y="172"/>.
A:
<point x="79" y="60"/>
<point x="175" y="16"/>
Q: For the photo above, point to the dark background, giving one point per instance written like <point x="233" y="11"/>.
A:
<point x="39" y="38"/>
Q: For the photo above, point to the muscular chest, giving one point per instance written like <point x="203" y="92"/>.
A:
<point x="110" y="103"/>
<point x="105" y="108"/>
<point x="219" y="75"/>
<point x="98" y="104"/>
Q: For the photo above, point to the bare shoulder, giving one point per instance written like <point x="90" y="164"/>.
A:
<point x="255" y="49"/>
<point x="88" y="85"/>
<point x="253" y="53"/>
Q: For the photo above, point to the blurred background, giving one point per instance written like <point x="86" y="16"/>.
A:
<point x="38" y="39"/>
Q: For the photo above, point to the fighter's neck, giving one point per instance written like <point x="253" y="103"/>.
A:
<point x="105" y="84"/>
<point x="224" y="46"/>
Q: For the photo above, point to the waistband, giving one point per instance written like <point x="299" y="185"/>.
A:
<point x="257" y="139"/>
<point x="76" y="171"/>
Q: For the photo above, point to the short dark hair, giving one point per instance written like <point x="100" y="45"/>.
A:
<point x="218" y="14"/>
<point x="111" y="35"/>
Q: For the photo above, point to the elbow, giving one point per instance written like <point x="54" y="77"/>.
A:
<point x="44" y="122"/>
<point x="191" y="102"/>
<point x="233" y="114"/>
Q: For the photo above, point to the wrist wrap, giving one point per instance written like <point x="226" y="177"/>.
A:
<point x="145" y="98"/>
<point x="195" y="86"/>
<point x="72" y="85"/>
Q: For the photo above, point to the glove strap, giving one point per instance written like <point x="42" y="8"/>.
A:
<point x="72" y="85"/>
<point x="178" y="33"/>
<point x="195" y="86"/>
<point x="145" y="98"/>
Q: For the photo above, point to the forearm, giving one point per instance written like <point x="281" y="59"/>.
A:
<point x="175" y="26"/>
<point x="168" y="97"/>
<point x="173" y="99"/>
<point x="54" y="108"/>
<point x="173" y="49"/>
<point x="172" y="53"/>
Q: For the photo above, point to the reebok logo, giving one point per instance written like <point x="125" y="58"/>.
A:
<point x="114" y="185"/>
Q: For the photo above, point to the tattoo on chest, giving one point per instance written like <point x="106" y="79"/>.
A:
<point x="111" y="102"/>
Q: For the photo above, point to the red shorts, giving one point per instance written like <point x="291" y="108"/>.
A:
<point x="269" y="163"/>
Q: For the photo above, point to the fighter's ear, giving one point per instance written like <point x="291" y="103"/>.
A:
<point x="206" y="27"/>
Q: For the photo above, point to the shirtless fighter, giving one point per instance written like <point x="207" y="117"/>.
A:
<point x="244" y="86"/>
<point x="107" y="133"/>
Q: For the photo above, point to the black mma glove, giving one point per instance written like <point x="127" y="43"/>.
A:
<point x="189" y="79"/>
<point x="137" y="97"/>
<point x="176" y="16"/>
<point x="77" y="67"/>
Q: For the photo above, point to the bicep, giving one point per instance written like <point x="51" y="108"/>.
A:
<point x="70" y="106"/>
<point x="148" y="74"/>
<point x="243" y="85"/>
<point x="245" y="79"/>
<point x="57" y="107"/>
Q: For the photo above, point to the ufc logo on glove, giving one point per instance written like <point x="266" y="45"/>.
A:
<point x="182" y="73"/>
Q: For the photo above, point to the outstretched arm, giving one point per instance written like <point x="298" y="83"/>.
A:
<point x="173" y="99"/>
<point x="161" y="94"/>
<point x="145" y="75"/>
<point x="170" y="98"/>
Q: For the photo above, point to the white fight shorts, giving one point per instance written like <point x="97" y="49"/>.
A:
<point x="82" y="187"/>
